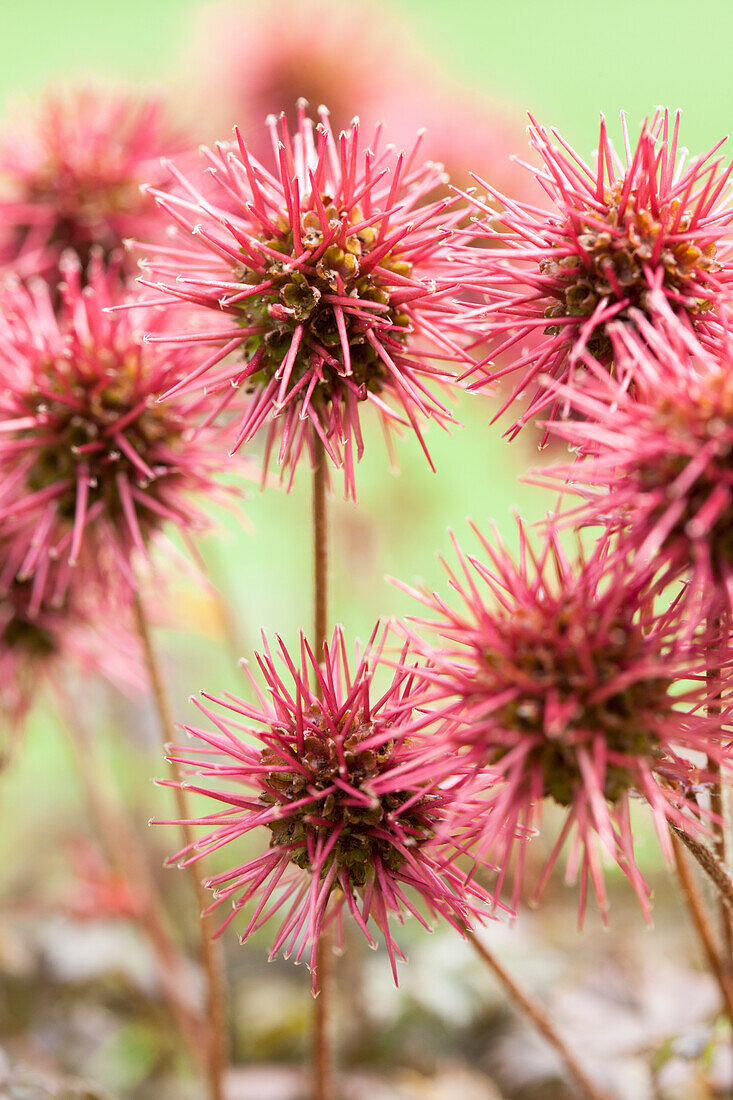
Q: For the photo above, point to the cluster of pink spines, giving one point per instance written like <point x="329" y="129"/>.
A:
<point x="634" y="224"/>
<point x="355" y="825"/>
<point x="335" y="281"/>
<point x="89" y="463"/>
<point x="656" y="459"/>
<point x="72" y="178"/>
<point x="558" y="678"/>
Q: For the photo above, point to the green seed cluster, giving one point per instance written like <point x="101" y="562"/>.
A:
<point x="584" y="282"/>
<point x="299" y="298"/>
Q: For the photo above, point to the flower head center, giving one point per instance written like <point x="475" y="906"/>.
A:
<point x="331" y="294"/>
<point x="19" y="631"/>
<point x="332" y="777"/>
<point x="568" y="667"/>
<point x="102" y="424"/>
<point x="607" y="256"/>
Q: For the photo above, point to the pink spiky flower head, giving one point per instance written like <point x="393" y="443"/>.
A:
<point x="637" y="222"/>
<point x="325" y="771"/>
<point x="331" y="283"/>
<point x="656" y="463"/>
<point x="559" y="678"/>
<point x="90" y="466"/>
<point x="72" y="177"/>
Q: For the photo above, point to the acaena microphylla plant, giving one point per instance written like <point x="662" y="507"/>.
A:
<point x="327" y="282"/>
<point x="656" y="464"/>
<point x="560" y="678"/>
<point x="641" y="220"/>
<point x="90" y="465"/>
<point x="71" y="175"/>
<point x="323" y="770"/>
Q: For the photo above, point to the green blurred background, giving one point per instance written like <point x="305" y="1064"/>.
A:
<point x="566" y="60"/>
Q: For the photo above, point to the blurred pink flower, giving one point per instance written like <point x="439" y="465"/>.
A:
<point x="352" y="825"/>
<point x="88" y="631"/>
<point x="559" y="678"/>
<point x="90" y="466"/>
<point x="643" y="221"/>
<point x="656" y="458"/>
<point x="333" y="285"/>
<point x="246" y="67"/>
<point x="70" y="177"/>
<point x="96" y="891"/>
<point x="260" y="60"/>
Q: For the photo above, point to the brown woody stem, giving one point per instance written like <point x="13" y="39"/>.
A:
<point x="711" y="865"/>
<point x="715" y="689"/>
<point x="701" y="922"/>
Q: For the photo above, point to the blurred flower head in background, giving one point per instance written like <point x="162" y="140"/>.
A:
<point x="88" y="631"/>
<point x="360" y="59"/>
<point x="91" y="466"/>
<point x="70" y="177"/>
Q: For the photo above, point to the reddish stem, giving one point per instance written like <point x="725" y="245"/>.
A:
<point x="701" y="922"/>
<point x="322" y="1057"/>
<point x="715" y="689"/>
<point x="536" y="1013"/>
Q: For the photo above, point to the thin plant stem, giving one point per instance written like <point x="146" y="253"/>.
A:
<point x="322" y="1057"/>
<point x="711" y="865"/>
<point x="539" y="1017"/>
<point x="125" y="854"/>
<point x="715" y="689"/>
<point x="702" y="924"/>
<point x="320" y="551"/>
<point x="210" y="952"/>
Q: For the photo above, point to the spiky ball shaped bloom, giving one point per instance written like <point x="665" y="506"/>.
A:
<point x="636" y="222"/>
<point x="330" y="285"/>
<point x="90" y="465"/>
<point x="70" y="177"/>
<point x="322" y="767"/>
<point x="559" y="678"/>
<point x="656" y="464"/>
